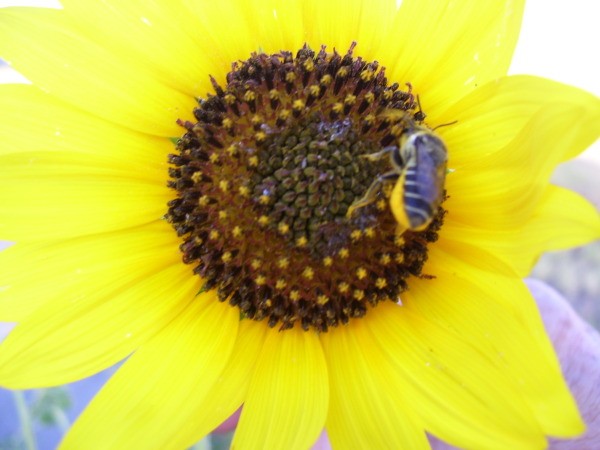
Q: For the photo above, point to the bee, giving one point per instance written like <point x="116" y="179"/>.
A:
<point x="418" y="168"/>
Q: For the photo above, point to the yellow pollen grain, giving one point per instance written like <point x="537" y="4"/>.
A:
<point x="263" y="220"/>
<point x="280" y="284"/>
<point x="380" y="283"/>
<point x="314" y="90"/>
<point x="385" y="259"/>
<point x="399" y="258"/>
<point x="284" y="114"/>
<point x="249" y="96"/>
<point x="338" y="107"/>
<point x="298" y="105"/>
<point x="370" y="232"/>
<point x="344" y="253"/>
<point x="236" y="232"/>
<point x="222" y="214"/>
<point x="361" y="273"/>
<point x="232" y="150"/>
<point x="343" y="287"/>
<point x="264" y="199"/>
<point x="274" y="94"/>
<point x="214" y="158"/>
<point x="387" y="94"/>
<point x="350" y="99"/>
<point x="253" y="161"/>
<point x="290" y="77"/>
<point x="358" y="294"/>
<point x="268" y="302"/>
<point x="230" y="99"/>
<point x="227" y="123"/>
<point x="256" y="119"/>
<point x="196" y="176"/>
<point x="283" y="263"/>
<point x="260" y="280"/>
<point x="308" y="273"/>
<point x="226" y="257"/>
<point x="367" y="75"/>
<point x="342" y="72"/>
<point x="355" y="235"/>
<point x="327" y="261"/>
<point x="381" y="205"/>
<point x="214" y="235"/>
<point x="301" y="241"/>
<point x="198" y="240"/>
<point x="224" y="185"/>
<point x="203" y="200"/>
<point x="370" y="119"/>
<point x="399" y="240"/>
<point x="260" y="136"/>
<point x="256" y="263"/>
<point x="283" y="228"/>
<point x="295" y="295"/>
<point x="244" y="191"/>
<point x="198" y="130"/>
<point x="370" y="98"/>
<point x="308" y="65"/>
<point x="326" y="80"/>
<point x="322" y="299"/>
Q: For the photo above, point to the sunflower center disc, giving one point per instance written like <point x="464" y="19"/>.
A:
<point x="265" y="178"/>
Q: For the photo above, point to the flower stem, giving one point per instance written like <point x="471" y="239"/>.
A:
<point x="25" y="419"/>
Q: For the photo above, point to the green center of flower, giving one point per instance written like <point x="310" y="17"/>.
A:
<point x="268" y="182"/>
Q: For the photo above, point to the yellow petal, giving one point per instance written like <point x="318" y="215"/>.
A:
<point x="365" y="411"/>
<point x="148" y="401"/>
<point x="66" y="341"/>
<point x="338" y="23"/>
<point x="68" y="272"/>
<point x="447" y="49"/>
<point x="501" y="190"/>
<point x="86" y="75"/>
<point x="455" y="388"/>
<point x="490" y="117"/>
<point x="562" y="220"/>
<point x="34" y="121"/>
<point x="230" y="388"/>
<point x="497" y="316"/>
<point x="282" y="24"/>
<point x="288" y="396"/>
<point x="227" y="34"/>
<point x="162" y="38"/>
<point x="58" y="196"/>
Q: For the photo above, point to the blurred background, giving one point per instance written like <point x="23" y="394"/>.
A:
<point x="556" y="42"/>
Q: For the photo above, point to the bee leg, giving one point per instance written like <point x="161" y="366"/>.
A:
<point x="380" y="154"/>
<point x="371" y="193"/>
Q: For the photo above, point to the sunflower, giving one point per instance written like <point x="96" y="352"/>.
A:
<point x="321" y="211"/>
